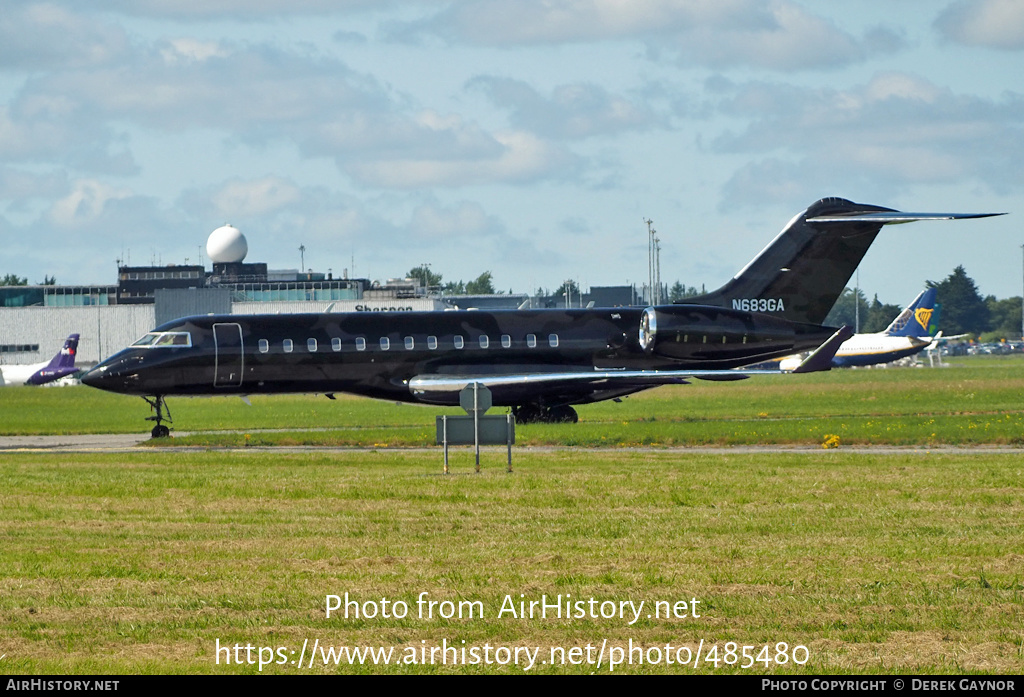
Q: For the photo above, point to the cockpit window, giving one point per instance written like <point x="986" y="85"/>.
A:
<point x="162" y="339"/>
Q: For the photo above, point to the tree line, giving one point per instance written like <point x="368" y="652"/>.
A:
<point x="16" y="280"/>
<point x="481" y="285"/>
<point x="962" y="310"/>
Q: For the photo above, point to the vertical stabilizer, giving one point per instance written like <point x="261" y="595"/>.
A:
<point x="66" y="357"/>
<point x="801" y="274"/>
<point x="918" y="319"/>
<point x="61" y="365"/>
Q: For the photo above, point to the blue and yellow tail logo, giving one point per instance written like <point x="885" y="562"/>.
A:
<point x="916" y="319"/>
<point x="923" y="315"/>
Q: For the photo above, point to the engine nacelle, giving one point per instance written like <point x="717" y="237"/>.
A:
<point x="701" y="332"/>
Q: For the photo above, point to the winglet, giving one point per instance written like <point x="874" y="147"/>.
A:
<point x="821" y="357"/>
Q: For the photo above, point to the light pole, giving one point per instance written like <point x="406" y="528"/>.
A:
<point x="650" y="261"/>
<point x="657" y="271"/>
<point x="856" y="305"/>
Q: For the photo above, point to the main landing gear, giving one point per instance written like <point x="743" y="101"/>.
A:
<point x="536" y="414"/>
<point x="159" y="406"/>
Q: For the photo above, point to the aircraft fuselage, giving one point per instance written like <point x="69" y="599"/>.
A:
<point x="378" y="354"/>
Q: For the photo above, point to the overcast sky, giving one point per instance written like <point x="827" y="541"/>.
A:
<point x="530" y="138"/>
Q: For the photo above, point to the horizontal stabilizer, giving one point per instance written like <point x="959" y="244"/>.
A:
<point x="803" y="271"/>
<point x="821" y="357"/>
<point x="895" y="217"/>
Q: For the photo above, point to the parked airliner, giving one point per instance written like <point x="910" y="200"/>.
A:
<point x="538" y="362"/>
<point x="910" y="333"/>
<point x="61" y="365"/>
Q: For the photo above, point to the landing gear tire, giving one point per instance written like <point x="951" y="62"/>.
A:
<point x="563" y="415"/>
<point x="535" y="414"/>
<point x="161" y="431"/>
<point x="528" y="414"/>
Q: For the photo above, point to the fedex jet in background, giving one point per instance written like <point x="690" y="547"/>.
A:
<point x="910" y="333"/>
<point x="61" y="365"/>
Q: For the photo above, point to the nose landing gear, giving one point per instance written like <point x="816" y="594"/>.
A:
<point x="157" y="403"/>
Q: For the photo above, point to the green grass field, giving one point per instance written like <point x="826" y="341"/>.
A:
<point x="975" y="401"/>
<point x="142" y="562"/>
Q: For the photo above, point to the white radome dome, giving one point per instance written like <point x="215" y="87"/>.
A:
<point x="226" y="245"/>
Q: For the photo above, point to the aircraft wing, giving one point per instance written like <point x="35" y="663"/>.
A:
<point x="599" y="380"/>
<point x="940" y="339"/>
<point x="570" y="386"/>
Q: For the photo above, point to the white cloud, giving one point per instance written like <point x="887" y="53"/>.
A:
<point x="20" y="185"/>
<point x="777" y="35"/>
<point x="572" y="111"/>
<point x="523" y="157"/>
<point x="357" y="134"/>
<point x="250" y="10"/>
<point x="895" y="131"/>
<point x="191" y="50"/>
<point x="254" y="197"/>
<point x="39" y="36"/>
<point x="85" y="203"/>
<point x="518" y="22"/>
<point x="263" y="96"/>
<point x="435" y="223"/>
<point x="991" y="23"/>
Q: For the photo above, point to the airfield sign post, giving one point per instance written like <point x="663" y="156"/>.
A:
<point x="475" y="399"/>
<point x="475" y="428"/>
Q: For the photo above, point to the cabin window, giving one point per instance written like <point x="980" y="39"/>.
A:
<point x="553" y="340"/>
<point x="385" y="343"/>
<point x="484" y="342"/>
<point x="431" y="342"/>
<point x="336" y="344"/>
<point x="531" y="340"/>
<point x="506" y="341"/>
<point x="311" y="345"/>
<point x="458" y="341"/>
<point x="264" y="345"/>
<point x="410" y="343"/>
<point x="360" y="343"/>
<point x="288" y="345"/>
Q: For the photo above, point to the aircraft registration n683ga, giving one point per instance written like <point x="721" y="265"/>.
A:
<point x="538" y="362"/>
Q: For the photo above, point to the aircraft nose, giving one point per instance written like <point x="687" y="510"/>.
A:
<point x="94" y="377"/>
<point x="112" y="374"/>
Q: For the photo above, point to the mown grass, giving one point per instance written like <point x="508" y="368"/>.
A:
<point x="139" y="563"/>
<point x="976" y="401"/>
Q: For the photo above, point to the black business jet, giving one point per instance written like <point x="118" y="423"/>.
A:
<point x="538" y="362"/>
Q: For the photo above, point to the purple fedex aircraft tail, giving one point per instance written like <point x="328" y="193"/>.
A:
<point x="62" y="365"/>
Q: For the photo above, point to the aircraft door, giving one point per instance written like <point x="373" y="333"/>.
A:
<point x="229" y="361"/>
